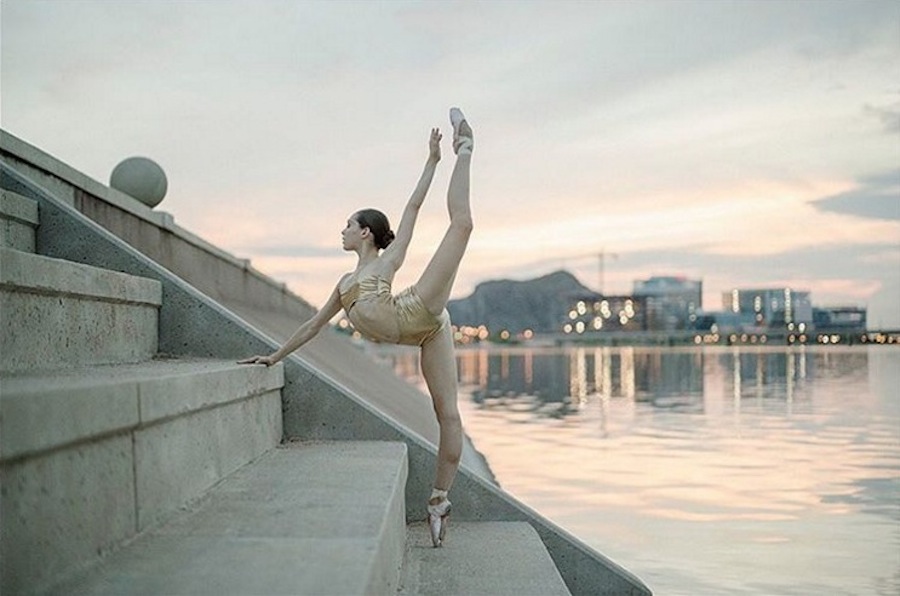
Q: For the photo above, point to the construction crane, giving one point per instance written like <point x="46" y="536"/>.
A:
<point x="601" y="256"/>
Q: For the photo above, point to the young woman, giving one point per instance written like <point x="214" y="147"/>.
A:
<point x="417" y="315"/>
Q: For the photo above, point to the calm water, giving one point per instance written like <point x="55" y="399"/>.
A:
<point x="703" y="470"/>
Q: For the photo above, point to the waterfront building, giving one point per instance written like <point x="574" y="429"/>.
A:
<point x="672" y="302"/>
<point x="769" y="307"/>
<point x="593" y="313"/>
<point x="840" y="318"/>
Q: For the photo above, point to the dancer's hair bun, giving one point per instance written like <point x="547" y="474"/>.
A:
<point x="378" y="223"/>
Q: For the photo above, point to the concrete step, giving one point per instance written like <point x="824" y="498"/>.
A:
<point x="91" y="456"/>
<point x="495" y="558"/>
<point x="18" y="220"/>
<point x="57" y="313"/>
<point x="307" y="518"/>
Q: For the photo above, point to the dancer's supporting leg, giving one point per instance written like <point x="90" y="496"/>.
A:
<point x="439" y="370"/>
<point x="438" y="357"/>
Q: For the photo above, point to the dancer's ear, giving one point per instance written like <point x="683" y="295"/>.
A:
<point x="365" y="232"/>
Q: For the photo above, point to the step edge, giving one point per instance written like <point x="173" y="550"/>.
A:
<point x="121" y="403"/>
<point x="74" y="279"/>
<point x="18" y="208"/>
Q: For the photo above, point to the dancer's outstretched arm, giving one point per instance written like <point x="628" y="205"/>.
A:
<point x="396" y="252"/>
<point x="306" y="332"/>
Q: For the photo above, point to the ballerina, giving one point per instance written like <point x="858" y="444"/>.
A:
<point x="417" y="315"/>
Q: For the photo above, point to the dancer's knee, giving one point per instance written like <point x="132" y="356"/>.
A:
<point x="450" y="421"/>
<point x="451" y="457"/>
<point x="462" y="224"/>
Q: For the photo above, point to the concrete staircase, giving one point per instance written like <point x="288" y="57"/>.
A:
<point x="125" y="471"/>
<point x="101" y="438"/>
<point x="290" y="523"/>
<point x="136" y="456"/>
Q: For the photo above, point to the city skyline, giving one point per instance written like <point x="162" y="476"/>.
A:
<point x="724" y="141"/>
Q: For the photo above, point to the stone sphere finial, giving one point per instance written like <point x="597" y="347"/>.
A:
<point x="141" y="178"/>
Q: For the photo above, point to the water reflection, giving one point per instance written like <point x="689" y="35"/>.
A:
<point x="695" y="468"/>
<point x="560" y="382"/>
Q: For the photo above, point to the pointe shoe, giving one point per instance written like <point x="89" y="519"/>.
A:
<point x="463" y="142"/>
<point x="438" y="520"/>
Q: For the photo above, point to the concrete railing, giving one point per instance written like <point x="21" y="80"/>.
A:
<point x="316" y="405"/>
<point x="210" y="269"/>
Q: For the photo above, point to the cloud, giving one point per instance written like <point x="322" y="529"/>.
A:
<point x="875" y="197"/>
<point x="888" y="115"/>
<point x="711" y="138"/>
<point x="300" y="251"/>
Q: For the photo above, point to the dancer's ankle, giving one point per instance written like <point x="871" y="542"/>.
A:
<point x="437" y="495"/>
<point x="463" y="139"/>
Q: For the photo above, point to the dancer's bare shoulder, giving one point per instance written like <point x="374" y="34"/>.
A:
<point x="345" y="282"/>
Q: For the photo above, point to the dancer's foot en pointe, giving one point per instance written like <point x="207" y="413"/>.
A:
<point x="438" y="519"/>
<point x="463" y="139"/>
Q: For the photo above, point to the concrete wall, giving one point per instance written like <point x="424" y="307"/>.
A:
<point x="316" y="403"/>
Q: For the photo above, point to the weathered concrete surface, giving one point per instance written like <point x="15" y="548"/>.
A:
<point x="18" y="219"/>
<point x="57" y="313"/>
<point x="91" y="455"/>
<point x="318" y="518"/>
<point x="44" y="410"/>
<point x="497" y="558"/>
<point x="42" y="535"/>
<point x="177" y="460"/>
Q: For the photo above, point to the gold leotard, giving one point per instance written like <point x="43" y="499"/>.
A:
<point x="381" y="317"/>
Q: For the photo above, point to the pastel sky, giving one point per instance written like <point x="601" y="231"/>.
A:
<point x="747" y="144"/>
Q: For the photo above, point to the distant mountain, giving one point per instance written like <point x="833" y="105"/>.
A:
<point x="538" y="304"/>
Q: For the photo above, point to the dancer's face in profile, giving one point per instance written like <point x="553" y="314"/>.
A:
<point x="353" y="235"/>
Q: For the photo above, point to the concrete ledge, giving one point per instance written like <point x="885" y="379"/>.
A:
<point x="37" y="274"/>
<point x="70" y="185"/>
<point x="18" y="208"/>
<point x="38" y="162"/>
<point x="497" y="558"/>
<point x="41" y="411"/>
<point x="18" y="218"/>
<point x="57" y="313"/>
<point x="320" y="518"/>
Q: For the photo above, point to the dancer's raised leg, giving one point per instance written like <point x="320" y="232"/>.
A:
<point x="439" y="370"/>
<point x="437" y="279"/>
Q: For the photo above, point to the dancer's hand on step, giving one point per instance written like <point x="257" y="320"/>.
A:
<point x="434" y="145"/>
<point x="267" y="360"/>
